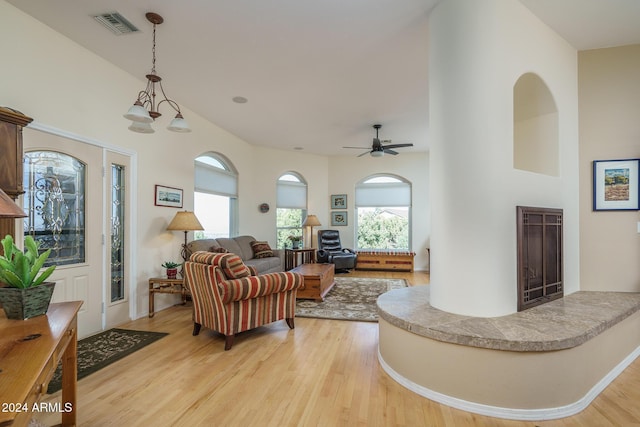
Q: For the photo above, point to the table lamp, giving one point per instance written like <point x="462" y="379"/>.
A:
<point x="185" y="221"/>
<point x="311" y="221"/>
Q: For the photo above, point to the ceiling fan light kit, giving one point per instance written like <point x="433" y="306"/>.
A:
<point x="145" y="109"/>
<point x="377" y="149"/>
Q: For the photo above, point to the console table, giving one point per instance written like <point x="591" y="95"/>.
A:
<point x="30" y="352"/>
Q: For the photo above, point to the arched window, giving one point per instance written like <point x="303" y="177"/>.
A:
<point x="383" y="213"/>
<point x="291" y="208"/>
<point x="216" y="196"/>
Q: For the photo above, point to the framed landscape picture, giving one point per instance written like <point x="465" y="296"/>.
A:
<point x="338" y="201"/>
<point x="616" y="185"/>
<point x="168" y="196"/>
<point x="339" y="218"/>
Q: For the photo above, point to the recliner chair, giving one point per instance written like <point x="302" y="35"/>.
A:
<point x="330" y="251"/>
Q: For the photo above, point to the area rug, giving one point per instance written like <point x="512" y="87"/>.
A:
<point x="100" y="350"/>
<point x="352" y="298"/>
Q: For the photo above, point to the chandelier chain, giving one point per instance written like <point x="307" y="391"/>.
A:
<point x="153" y="51"/>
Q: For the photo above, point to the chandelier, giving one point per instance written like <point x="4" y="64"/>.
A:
<point x="145" y="110"/>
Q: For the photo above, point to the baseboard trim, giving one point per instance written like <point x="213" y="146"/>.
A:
<point x="513" y="413"/>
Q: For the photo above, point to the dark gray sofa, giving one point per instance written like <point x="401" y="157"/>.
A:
<point x="241" y="246"/>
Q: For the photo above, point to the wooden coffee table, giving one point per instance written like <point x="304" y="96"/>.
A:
<point x="318" y="280"/>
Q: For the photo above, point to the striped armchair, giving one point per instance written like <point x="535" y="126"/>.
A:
<point x="228" y="297"/>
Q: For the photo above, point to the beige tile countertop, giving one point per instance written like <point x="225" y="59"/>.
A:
<point x="564" y="323"/>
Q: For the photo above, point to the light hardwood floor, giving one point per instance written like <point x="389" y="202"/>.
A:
<point x="323" y="373"/>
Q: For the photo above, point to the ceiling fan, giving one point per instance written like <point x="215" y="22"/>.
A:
<point x="377" y="149"/>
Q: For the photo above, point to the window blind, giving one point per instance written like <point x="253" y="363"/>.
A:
<point x="209" y="179"/>
<point x="383" y="194"/>
<point x="291" y="195"/>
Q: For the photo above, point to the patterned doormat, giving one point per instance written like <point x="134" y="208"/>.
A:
<point x="352" y="298"/>
<point x="100" y="350"/>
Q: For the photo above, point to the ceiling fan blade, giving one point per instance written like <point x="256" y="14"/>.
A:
<point x="364" y="154"/>
<point x="398" y="145"/>
<point x="387" y="151"/>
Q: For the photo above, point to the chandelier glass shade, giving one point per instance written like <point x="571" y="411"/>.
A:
<point x="146" y="107"/>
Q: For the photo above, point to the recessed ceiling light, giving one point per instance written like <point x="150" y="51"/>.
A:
<point x="240" y="99"/>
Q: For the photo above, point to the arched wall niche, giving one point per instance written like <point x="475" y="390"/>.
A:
<point x="536" y="146"/>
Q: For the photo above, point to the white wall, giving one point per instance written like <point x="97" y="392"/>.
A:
<point x="346" y="172"/>
<point x="268" y="166"/>
<point x="478" y="50"/>
<point x="64" y="86"/>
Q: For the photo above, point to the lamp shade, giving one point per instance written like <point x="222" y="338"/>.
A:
<point x="8" y="208"/>
<point x="141" y="127"/>
<point x="179" y="124"/>
<point x="311" y="221"/>
<point x="185" y="221"/>
<point x="137" y="113"/>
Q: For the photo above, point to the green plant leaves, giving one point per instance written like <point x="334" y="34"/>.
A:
<point x="45" y="274"/>
<point x="7" y="246"/>
<point x="20" y="270"/>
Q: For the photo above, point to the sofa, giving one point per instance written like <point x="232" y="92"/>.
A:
<point x="229" y="298"/>
<point x="242" y="246"/>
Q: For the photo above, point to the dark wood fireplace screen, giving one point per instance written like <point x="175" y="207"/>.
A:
<point x="539" y="256"/>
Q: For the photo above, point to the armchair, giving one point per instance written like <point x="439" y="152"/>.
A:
<point x="229" y="298"/>
<point x="330" y="251"/>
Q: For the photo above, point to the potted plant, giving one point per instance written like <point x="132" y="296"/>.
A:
<point x="172" y="269"/>
<point x="23" y="290"/>
<point x="296" y="241"/>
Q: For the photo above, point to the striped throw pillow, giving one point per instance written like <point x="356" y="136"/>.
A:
<point x="233" y="267"/>
<point x="261" y="249"/>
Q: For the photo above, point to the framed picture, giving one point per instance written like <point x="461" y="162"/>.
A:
<point x="338" y="201"/>
<point x="339" y="218"/>
<point x="616" y="185"/>
<point x="168" y="196"/>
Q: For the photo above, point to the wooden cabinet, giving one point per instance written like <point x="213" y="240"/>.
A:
<point x="11" y="124"/>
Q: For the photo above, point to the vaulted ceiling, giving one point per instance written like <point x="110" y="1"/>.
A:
<point x="317" y="74"/>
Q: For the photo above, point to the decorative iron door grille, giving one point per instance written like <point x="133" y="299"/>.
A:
<point x="55" y="204"/>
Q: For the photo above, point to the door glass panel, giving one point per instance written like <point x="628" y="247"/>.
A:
<point x="117" y="232"/>
<point x="55" y="203"/>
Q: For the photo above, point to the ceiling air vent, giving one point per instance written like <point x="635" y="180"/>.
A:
<point x="117" y="23"/>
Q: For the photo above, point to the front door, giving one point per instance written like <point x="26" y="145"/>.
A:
<point x="64" y="199"/>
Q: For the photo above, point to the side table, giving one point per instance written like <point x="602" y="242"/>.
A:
<point x="295" y="257"/>
<point x="163" y="285"/>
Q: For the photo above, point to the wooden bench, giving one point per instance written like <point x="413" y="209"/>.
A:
<point x="385" y="260"/>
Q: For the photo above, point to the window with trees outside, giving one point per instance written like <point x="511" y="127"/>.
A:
<point x="215" y="197"/>
<point x="291" y="209"/>
<point x="383" y="213"/>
